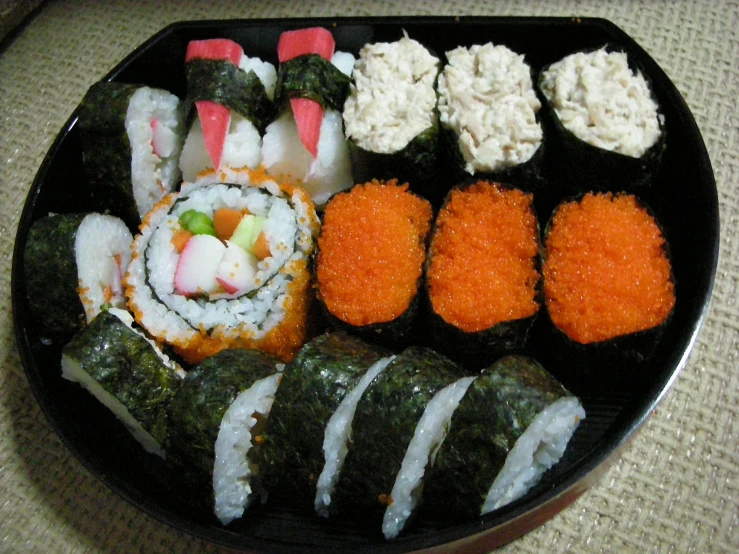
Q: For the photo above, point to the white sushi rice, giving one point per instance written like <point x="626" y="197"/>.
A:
<point x="487" y="99"/>
<point x="536" y="450"/>
<point x="233" y="469"/>
<point x="392" y="99"/>
<point x="151" y="176"/>
<point x="337" y="436"/>
<point x="601" y="101"/>
<point x="428" y="437"/>
<point x="102" y="249"/>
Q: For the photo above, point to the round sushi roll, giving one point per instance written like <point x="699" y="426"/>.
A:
<point x="233" y="99"/>
<point x="224" y="264"/>
<point x="215" y="425"/>
<point x="73" y="266"/>
<point x="390" y="115"/>
<point x="482" y="274"/>
<point x="488" y="110"/>
<point x="370" y="258"/>
<point x="127" y="373"/>
<point x="514" y="423"/>
<point x="131" y="142"/>
<point x="608" y="285"/>
<point x="610" y="132"/>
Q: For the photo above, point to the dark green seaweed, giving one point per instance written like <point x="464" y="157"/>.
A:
<point x="313" y="77"/>
<point x="498" y="407"/>
<point x="313" y="385"/>
<point x="225" y="83"/>
<point x="384" y="425"/>
<point x="128" y="367"/>
<point x="50" y="270"/>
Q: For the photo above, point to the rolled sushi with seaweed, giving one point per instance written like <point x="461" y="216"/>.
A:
<point x="132" y="138"/>
<point x="306" y="439"/>
<point x="399" y="425"/>
<point x="73" y="266"/>
<point x="369" y="260"/>
<point x="610" y="132"/>
<point x="488" y="111"/>
<point x="390" y="115"/>
<point x="482" y="272"/>
<point x="224" y="263"/>
<point x="127" y="372"/>
<point x="215" y="426"/>
<point x="513" y="424"/>
<point x="230" y="103"/>
<point x="305" y="144"/>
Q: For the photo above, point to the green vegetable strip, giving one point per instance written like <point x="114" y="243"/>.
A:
<point x="197" y="223"/>
<point x="311" y="76"/>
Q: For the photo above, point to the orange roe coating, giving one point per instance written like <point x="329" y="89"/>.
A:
<point x="606" y="272"/>
<point x="371" y="252"/>
<point x="482" y="268"/>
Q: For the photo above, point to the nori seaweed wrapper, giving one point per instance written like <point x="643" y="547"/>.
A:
<point x="313" y="77"/>
<point x="128" y="367"/>
<point x="50" y="269"/>
<point x="313" y="385"/>
<point x="496" y="410"/>
<point x="384" y="424"/>
<point x="227" y="84"/>
<point x="197" y="409"/>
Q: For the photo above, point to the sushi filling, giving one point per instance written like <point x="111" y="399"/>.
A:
<point x="427" y="439"/>
<point x="487" y="99"/>
<point x="536" y="450"/>
<point x="238" y="436"/>
<point x="338" y="435"/>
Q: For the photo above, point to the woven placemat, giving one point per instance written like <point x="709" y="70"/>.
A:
<point x="676" y="487"/>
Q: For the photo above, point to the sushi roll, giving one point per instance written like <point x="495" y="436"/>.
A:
<point x="304" y="434"/>
<point x="230" y="99"/>
<point x="514" y="423"/>
<point x="399" y="425"/>
<point x="488" y="111"/>
<point x="73" y="266"/>
<point x="610" y="131"/>
<point x="370" y="257"/>
<point x="131" y="142"/>
<point x="482" y="276"/>
<point x="390" y="115"/>
<point x="224" y="264"/>
<point x="215" y="425"/>
<point x="306" y="144"/>
<point x="127" y="373"/>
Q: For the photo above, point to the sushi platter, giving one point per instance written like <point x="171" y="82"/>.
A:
<point x="237" y="290"/>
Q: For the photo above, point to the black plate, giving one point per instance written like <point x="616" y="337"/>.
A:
<point x="683" y="197"/>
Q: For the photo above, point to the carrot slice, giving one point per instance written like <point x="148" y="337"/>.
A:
<point x="225" y="221"/>
<point x="214" y="49"/>
<point x="261" y="247"/>
<point x="179" y="239"/>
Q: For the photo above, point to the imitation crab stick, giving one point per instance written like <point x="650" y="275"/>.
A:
<point x="308" y="113"/>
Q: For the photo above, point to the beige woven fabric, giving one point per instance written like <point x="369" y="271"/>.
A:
<point x="676" y="487"/>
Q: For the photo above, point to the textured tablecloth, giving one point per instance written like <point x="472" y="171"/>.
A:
<point x="676" y="487"/>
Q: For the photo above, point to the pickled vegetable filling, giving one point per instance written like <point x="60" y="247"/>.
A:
<point x="483" y="258"/>
<point x="371" y="252"/>
<point x="606" y="272"/>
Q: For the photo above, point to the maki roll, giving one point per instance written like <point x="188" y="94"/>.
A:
<point x="488" y="111"/>
<point x="305" y="442"/>
<point x="390" y="115"/>
<point x="131" y="142"/>
<point x="73" y="267"/>
<point x="215" y="426"/>
<point x="232" y="96"/>
<point x="306" y="144"/>
<point x="370" y="258"/>
<point x="608" y="124"/>
<point x="482" y="275"/>
<point x="514" y="423"/>
<point x="127" y="373"/>
<point x="224" y="264"/>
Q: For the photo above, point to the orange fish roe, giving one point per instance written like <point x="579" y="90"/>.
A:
<point x="482" y="268"/>
<point x="606" y="272"/>
<point x="371" y="252"/>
